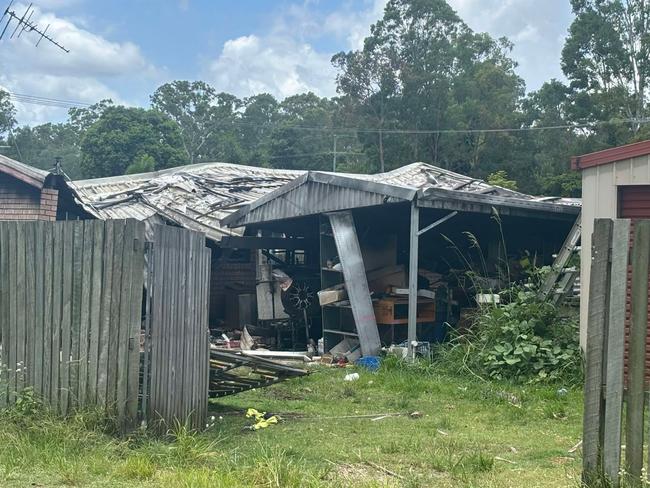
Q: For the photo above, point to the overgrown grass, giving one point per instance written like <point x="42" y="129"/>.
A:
<point x="465" y="433"/>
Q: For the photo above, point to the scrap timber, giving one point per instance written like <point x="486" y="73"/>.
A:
<point x="232" y="372"/>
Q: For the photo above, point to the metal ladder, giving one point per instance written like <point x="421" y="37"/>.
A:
<point x="560" y="279"/>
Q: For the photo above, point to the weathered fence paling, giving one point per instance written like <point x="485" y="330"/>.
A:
<point x="71" y="310"/>
<point x="605" y="378"/>
<point x="179" y="336"/>
<point x="54" y="326"/>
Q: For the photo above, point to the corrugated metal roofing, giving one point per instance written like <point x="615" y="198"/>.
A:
<point x="318" y="192"/>
<point x="197" y="196"/>
<point x="202" y="196"/>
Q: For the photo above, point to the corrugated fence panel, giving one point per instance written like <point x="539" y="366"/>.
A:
<point x="179" y="327"/>
<point x="71" y="309"/>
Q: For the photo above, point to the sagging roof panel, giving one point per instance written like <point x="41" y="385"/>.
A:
<point x="319" y="192"/>
<point x="197" y="196"/>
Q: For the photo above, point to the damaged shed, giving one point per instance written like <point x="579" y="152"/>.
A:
<point x="396" y="256"/>
<point x="196" y="197"/>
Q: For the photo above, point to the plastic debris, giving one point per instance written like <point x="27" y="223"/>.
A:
<point x="262" y="419"/>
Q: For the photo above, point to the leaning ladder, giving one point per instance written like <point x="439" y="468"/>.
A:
<point x="560" y="279"/>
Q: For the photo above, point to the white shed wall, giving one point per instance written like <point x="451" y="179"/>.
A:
<point x="600" y="200"/>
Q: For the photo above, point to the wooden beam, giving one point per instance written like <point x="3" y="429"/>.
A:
<point x="616" y="351"/>
<point x="252" y="242"/>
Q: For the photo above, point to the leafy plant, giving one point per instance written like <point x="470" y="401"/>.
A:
<point x="526" y="339"/>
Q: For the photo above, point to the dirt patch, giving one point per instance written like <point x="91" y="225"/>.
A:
<point x="353" y="474"/>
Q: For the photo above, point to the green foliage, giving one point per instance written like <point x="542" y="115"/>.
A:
<point x="121" y="135"/>
<point x="142" y="164"/>
<point x="7" y="113"/>
<point x="39" y="146"/>
<point x="526" y="339"/>
<point x="500" y="178"/>
<point x="27" y="403"/>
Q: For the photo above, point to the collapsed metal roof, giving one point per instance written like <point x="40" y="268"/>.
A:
<point x="430" y="186"/>
<point x="208" y="197"/>
<point x="196" y="196"/>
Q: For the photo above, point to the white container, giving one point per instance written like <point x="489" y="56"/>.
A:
<point x="351" y="377"/>
<point x="492" y="298"/>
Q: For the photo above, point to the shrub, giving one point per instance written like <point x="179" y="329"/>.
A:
<point x="527" y="339"/>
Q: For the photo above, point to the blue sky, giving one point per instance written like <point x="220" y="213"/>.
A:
<point x="125" y="49"/>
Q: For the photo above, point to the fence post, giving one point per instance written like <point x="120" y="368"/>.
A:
<point x="615" y="351"/>
<point x="596" y="329"/>
<point x="637" y="348"/>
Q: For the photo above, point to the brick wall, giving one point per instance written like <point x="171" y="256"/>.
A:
<point x="20" y="201"/>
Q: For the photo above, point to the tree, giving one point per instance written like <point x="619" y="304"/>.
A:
<point x="80" y="119"/>
<point x="368" y="81"/>
<point x="256" y="125"/>
<point x="7" y="113"/>
<point x="191" y="106"/>
<point x="122" y="135"/>
<point x="142" y="164"/>
<point x="298" y="149"/>
<point x="41" y="145"/>
<point x="607" y="59"/>
<point x="500" y="178"/>
<point x="423" y="68"/>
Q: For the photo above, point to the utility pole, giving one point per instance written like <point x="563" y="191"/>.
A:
<point x="381" y="152"/>
<point x="334" y="153"/>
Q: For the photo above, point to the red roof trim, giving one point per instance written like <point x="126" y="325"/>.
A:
<point x="611" y="155"/>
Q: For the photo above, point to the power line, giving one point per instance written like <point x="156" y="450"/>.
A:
<point x="325" y="153"/>
<point x="55" y="102"/>
<point x="370" y="130"/>
<point x="47" y="101"/>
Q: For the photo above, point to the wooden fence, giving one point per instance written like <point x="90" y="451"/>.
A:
<point x="178" y="330"/>
<point x="615" y="381"/>
<point x="70" y="300"/>
<point x="71" y="318"/>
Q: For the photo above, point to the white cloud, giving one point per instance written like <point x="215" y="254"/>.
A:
<point x="282" y="66"/>
<point x="353" y="24"/>
<point x="284" y="61"/>
<point x="84" y="74"/>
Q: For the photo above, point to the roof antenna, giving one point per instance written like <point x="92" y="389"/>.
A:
<point x="24" y="23"/>
<point x="58" y="169"/>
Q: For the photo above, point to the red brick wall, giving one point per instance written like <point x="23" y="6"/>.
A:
<point x="19" y="201"/>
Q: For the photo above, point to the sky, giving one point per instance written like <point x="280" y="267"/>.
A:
<point x="123" y="50"/>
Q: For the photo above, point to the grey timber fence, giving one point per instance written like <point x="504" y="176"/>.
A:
<point x="70" y="300"/>
<point x="616" y="377"/>
<point x="178" y="334"/>
<point x="72" y="318"/>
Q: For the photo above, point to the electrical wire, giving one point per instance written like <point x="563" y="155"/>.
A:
<point x="60" y="103"/>
<point x="46" y="101"/>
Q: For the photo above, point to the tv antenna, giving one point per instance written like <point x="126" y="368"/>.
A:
<point x="24" y="23"/>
